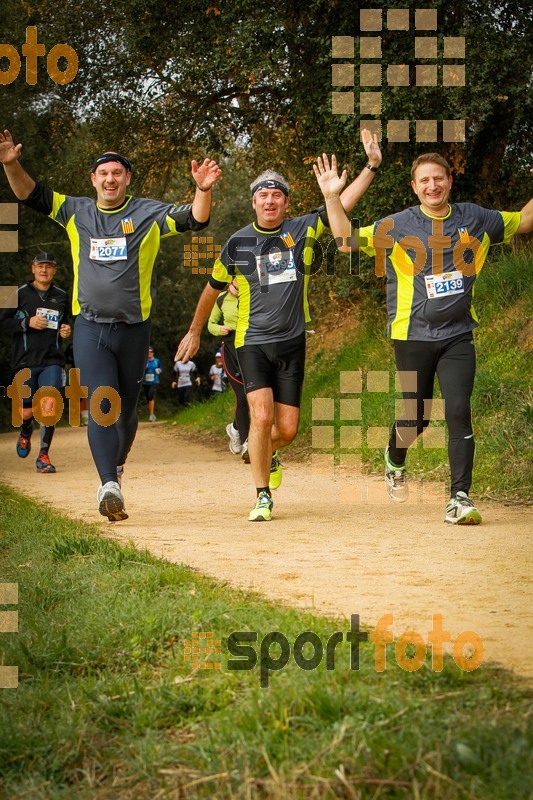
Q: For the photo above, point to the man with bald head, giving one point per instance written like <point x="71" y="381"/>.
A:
<point x="114" y="242"/>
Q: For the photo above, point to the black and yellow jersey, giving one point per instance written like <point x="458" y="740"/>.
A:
<point x="431" y="265"/>
<point x="113" y="251"/>
<point x="273" y="269"/>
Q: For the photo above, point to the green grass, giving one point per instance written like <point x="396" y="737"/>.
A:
<point x="502" y="407"/>
<point x="108" y="707"/>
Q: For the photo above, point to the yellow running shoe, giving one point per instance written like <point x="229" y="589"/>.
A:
<point x="262" y="511"/>
<point x="276" y="473"/>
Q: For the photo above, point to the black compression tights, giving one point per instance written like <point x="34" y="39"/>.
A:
<point x="112" y="354"/>
<point x="453" y="361"/>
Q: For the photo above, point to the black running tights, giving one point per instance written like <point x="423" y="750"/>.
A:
<point x="112" y="354"/>
<point x="453" y="361"/>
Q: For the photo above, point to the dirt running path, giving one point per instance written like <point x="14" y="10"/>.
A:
<point x="324" y="550"/>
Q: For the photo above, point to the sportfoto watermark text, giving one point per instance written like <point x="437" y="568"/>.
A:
<point x="240" y="645"/>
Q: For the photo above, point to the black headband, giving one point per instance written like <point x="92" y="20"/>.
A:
<point x="111" y="157"/>
<point x="270" y="184"/>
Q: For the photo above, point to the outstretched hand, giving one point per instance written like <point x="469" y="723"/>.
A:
<point x="327" y="176"/>
<point x="370" y="143"/>
<point x="205" y="174"/>
<point x="9" y="153"/>
<point x="187" y="348"/>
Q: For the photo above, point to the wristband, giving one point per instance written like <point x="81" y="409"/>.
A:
<point x="371" y="168"/>
<point x="202" y="189"/>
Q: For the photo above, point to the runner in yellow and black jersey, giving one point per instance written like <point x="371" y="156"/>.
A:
<point x="114" y="243"/>
<point x="432" y="255"/>
<point x="271" y="259"/>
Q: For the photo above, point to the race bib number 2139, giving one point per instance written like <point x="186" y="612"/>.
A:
<point x="444" y="285"/>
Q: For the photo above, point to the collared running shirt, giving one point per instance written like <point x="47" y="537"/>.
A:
<point x="273" y="269"/>
<point x="113" y="251"/>
<point x="431" y="265"/>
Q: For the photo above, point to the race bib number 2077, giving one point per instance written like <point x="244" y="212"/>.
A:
<point x="109" y="249"/>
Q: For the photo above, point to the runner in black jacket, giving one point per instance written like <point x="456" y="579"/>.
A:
<point x="37" y="326"/>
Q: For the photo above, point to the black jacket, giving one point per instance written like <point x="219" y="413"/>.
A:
<point x="32" y="347"/>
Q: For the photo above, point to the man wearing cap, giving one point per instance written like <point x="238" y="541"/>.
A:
<point x="272" y="259"/>
<point x="114" y="243"/>
<point x="37" y="326"/>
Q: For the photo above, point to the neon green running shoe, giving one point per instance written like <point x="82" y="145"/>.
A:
<point x="262" y="511"/>
<point x="276" y="473"/>
<point x="396" y="480"/>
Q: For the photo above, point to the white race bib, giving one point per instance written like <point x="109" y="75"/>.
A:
<point x="109" y="249"/>
<point x="276" y="267"/>
<point x="445" y="285"/>
<point x="52" y="316"/>
<point x="149" y="377"/>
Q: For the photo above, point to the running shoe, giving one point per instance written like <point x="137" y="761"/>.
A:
<point x="234" y="439"/>
<point x="43" y="463"/>
<point x="245" y="455"/>
<point x="396" y="480"/>
<point x="23" y="446"/>
<point x="111" y="502"/>
<point x="262" y="511"/>
<point x="461" y="511"/>
<point x="276" y="474"/>
<point x="152" y="418"/>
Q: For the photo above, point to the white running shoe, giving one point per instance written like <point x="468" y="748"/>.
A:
<point x="152" y="418"/>
<point x="110" y="502"/>
<point x="245" y="455"/>
<point x="461" y="511"/>
<point x="396" y="480"/>
<point x="234" y="439"/>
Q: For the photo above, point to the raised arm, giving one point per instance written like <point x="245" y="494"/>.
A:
<point x="353" y="193"/>
<point x="19" y="180"/>
<point x="330" y="185"/>
<point x="526" y="218"/>
<point x="191" y="341"/>
<point x="205" y="175"/>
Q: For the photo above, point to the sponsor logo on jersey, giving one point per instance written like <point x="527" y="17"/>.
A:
<point x="463" y="235"/>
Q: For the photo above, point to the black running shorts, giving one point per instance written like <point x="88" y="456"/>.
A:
<point x="278" y="366"/>
<point x="149" y="391"/>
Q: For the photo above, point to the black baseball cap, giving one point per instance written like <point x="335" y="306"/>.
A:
<point x="45" y="258"/>
<point x="102" y="159"/>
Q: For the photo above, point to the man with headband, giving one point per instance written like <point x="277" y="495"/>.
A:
<point x="272" y="259"/>
<point x="114" y="242"/>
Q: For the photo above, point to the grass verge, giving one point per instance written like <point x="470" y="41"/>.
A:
<point x="109" y="708"/>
